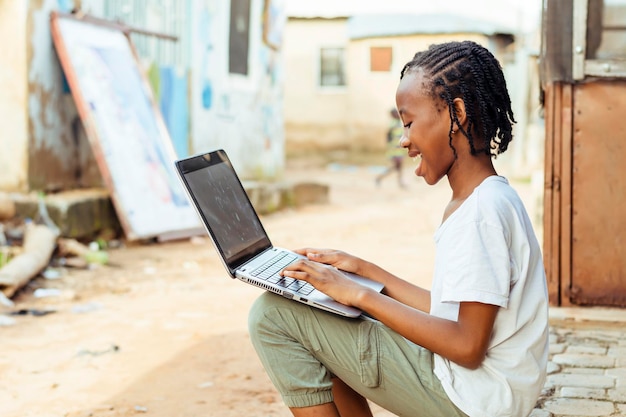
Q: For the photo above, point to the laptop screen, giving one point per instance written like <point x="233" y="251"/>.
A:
<point x="224" y="207"/>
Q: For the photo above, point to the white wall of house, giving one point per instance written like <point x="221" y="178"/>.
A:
<point x="13" y="100"/>
<point x="372" y="94"/>
<point x="354" y="117"/>
<point x="241" y="113"/>
<point x="315" y="117"/>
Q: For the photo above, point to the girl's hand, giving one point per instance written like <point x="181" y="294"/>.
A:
<point x="327" y="279"/>
<point x="338" y="259"/>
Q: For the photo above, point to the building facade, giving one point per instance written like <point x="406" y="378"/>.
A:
<point x="217" y="85"/>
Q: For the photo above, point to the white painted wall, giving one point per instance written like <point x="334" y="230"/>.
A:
<point x="363" y="106"/>
<point x="373" y="94"/>
<point x="241" y="114"/>
<point x="355" y="117"/>
<point x="13" y="100"/>
<point x="315" y="117"/>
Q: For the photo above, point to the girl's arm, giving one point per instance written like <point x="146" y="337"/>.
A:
<point x="464" y="342"/>
<point x="397" y="288"/>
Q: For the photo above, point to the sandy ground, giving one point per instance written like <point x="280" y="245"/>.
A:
<point x="161" y="331"/>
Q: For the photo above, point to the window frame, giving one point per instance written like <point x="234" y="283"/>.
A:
<point x="582" y="67"/>
<point x="318" y="67"/>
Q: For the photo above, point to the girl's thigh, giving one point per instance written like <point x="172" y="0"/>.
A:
<point x="311" y="345"/>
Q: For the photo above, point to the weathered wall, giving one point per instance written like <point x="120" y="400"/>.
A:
<point x="241" y="113"/>
<point x="43" y="143"/>
<point x="13" y="100"/>
<point x="59" y="156"/>
<point x="204" y="105"/>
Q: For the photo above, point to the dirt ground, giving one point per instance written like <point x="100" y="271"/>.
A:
<point x="161" y="331"/>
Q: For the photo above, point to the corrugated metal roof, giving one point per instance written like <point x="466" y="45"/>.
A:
<point x="370" y="25"/>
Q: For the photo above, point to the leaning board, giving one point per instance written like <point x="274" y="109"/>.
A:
<point x="131" y="144"/>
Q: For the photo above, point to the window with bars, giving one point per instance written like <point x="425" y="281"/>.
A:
<point x="239" y="37"/>
<point x="332" y="67"/>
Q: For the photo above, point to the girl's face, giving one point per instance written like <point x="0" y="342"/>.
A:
<point x="426" y="127"/>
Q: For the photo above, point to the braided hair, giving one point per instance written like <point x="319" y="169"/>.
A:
<point x="469" y="71"/>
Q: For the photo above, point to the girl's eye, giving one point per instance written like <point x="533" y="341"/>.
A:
<point x="408" y="125"/>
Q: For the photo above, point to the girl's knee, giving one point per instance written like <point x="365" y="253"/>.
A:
<point x="264" y="308"/>
<point x="259" y="309"/>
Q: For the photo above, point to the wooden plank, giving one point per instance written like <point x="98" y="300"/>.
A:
<point x="556" y="197"/>
<point x="579" y="38"/>
<point x="555" y="227"/>
<point x="605" y="68"/>
<point x="565" y="218"/>
<point x="548" y="200"/>
<point x="598" y="224"/>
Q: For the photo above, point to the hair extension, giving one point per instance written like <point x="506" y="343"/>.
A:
<point x="469" y="71"/>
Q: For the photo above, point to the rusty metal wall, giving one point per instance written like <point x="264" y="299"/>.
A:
<point x="598" y="228"/>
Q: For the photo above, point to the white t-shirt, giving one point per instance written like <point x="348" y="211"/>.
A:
<point x="487" y="252"/>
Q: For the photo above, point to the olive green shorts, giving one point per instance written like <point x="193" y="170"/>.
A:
<point x="302" y="347"/>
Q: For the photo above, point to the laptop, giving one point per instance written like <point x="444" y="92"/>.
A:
<point x="216" y="192"/>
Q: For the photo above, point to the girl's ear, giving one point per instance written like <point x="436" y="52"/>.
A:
<point x="459" y="108"/>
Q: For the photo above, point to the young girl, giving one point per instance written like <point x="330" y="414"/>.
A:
<point x="476" y="344"/>
<point x="394" y="151"/>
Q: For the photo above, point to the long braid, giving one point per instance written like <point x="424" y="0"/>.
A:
<point x="469" y="71"/>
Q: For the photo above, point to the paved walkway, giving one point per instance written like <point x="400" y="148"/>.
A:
<point x="587" y="368"/>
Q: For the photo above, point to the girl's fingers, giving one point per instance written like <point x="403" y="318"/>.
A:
<point x="304" y="269"/>
<point x="301" y="275"/>
<point x="301" y="265"/>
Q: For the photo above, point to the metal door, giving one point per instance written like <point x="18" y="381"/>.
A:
<point x="598" y="194"/>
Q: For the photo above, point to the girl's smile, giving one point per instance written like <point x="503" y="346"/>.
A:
<point x="426" y="128"/>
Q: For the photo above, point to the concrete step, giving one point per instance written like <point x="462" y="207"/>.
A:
<point x="87" y="213"/>
<point x="82" y="213"/>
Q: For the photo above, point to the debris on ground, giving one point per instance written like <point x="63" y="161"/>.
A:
<point x="39" y="244"/>
<point x="34" y="247"/>
<point x="76" y="254"/>
<point x="31" y="311"/>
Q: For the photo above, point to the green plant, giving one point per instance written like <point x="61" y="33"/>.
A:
<point x="5" y="256"/>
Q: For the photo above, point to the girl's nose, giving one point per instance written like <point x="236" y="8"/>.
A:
<point x="404" y="141"/>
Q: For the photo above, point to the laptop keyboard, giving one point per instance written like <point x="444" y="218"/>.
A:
<point x="269" y="272"/>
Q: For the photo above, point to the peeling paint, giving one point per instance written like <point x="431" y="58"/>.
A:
<point x="53" y="153"/>
<point x="241" y="114"/>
